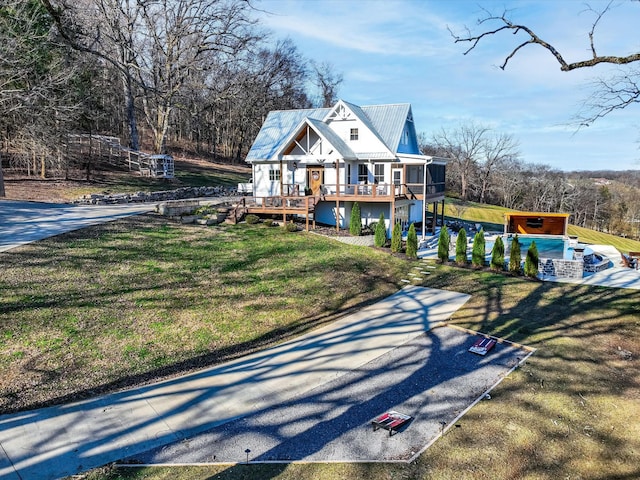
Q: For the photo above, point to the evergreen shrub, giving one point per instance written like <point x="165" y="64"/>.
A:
<point x="478" y="250"/>
<point x="461" y="247"/>
<point x="412" y="242"/>
<point x="380" y="238"/>
<point x="396" y="238"/>
<point x="355" y="225"/>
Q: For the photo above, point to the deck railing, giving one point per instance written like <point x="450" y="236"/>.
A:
<point x="371" y="190"/>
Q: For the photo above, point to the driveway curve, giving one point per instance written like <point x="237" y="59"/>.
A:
<point x="26" y="222"/>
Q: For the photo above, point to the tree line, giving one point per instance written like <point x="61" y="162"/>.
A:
<point x="197" y="74"/>
<point x="486" y="167"/>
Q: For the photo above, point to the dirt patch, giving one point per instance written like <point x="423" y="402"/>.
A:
<point x="62" y="190"/>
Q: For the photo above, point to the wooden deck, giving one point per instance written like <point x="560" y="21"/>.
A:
<point x="305" y="205"/>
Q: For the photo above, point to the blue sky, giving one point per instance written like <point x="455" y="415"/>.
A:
<point x="395" y="51"/>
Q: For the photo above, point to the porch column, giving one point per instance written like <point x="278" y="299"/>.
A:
<point x="442" y="217"/>
<point x="337" y="195"/>
<point x="393" y="213"/>
<point x="281" y="180"/>
<point x="434" y="217"/>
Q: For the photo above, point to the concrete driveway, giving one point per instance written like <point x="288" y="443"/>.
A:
<point x="64" y="440"/>
<point x="25" y="222"/>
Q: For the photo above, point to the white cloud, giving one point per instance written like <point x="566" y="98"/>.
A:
<point x="401" y="51"/>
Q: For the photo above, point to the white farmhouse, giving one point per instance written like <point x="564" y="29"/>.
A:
<point x="319" y="162"/>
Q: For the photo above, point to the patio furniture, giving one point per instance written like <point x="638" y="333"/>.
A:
<point x="391" y="421"/>
<point x="628" y="261"/>
<point x="635" y="256"/>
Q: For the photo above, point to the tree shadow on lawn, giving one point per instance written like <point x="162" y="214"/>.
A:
<point x="133" y="281"/>
<point x="169" y="402"/>
<point x="567" y="412"/>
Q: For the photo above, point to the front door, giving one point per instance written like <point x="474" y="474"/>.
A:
<point x="315" y="180"/>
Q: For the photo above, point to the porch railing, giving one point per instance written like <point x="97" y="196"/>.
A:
<point x="371" y="190"/>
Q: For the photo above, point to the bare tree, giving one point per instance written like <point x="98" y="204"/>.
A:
<point x="464" y="146"/>
<point x="36" y="77"/>
<point x="610" y="94"/>
<point x="155" y="45"/>
<point x="184" y="36"/>
<point x="327" y="81"/>
<point x="496" y="151"/>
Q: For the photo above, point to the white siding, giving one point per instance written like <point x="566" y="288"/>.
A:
<point x="265" y="187"/>
<point x="367" y="140"/>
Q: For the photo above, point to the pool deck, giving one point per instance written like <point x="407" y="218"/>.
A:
<point x="614" y="277"/>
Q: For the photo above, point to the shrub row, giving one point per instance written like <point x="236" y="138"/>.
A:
<point x="497" y="253"/>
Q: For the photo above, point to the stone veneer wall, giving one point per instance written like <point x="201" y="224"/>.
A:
<point x="554" y="267"/>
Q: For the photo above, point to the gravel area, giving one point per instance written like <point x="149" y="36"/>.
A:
<point x="433" y="378"/>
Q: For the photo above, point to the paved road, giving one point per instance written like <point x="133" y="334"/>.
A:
<point x="25" y="222"/>
<point x="64" y="440"/>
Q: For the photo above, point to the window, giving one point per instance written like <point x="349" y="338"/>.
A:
<point x="405" y="136"/>
<point x="274" y="175"/>
<point x="354" y="134"/>
<point x="363" y="173"/>
<point x="378" y="172"/>
<point x="535" y="222"/>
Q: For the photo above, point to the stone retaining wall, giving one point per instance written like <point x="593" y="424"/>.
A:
<point x="147" y="197"/>
<point x="176" y="208"/>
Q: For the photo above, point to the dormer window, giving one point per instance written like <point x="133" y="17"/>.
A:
<point x="354" y="134"/>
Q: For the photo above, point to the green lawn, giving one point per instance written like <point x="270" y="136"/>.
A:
<point x="572" y="411"/>
<point x="143" y="298"/>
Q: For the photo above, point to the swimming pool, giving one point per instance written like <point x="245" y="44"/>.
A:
<point x="549" y="246"/>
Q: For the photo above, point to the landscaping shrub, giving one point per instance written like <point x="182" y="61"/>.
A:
<point x="355" y="225"/>
<point x="396" y="238"/>
<point x="205" y="210"/>
<point x="461" y="247"/>
<point x="497" y="255"/>
<point x="515" y="257"/>
<point x="290" y="227"/>
<point x="268" y="222"/>
<point x="412" y="242"/>
<point x="443" y="245"/>
<point x="380" y="238"/>
<point x="531" y="262"/>
<point x="252" y="219"/>
<point x="478" y="250"/>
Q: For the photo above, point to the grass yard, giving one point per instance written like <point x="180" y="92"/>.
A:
<point x="141" y="298"/>
<point x="571" y="412"/>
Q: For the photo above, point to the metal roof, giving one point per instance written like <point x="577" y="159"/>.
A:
<point x="386" y="121"/>
<point x="389" y="121"/>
